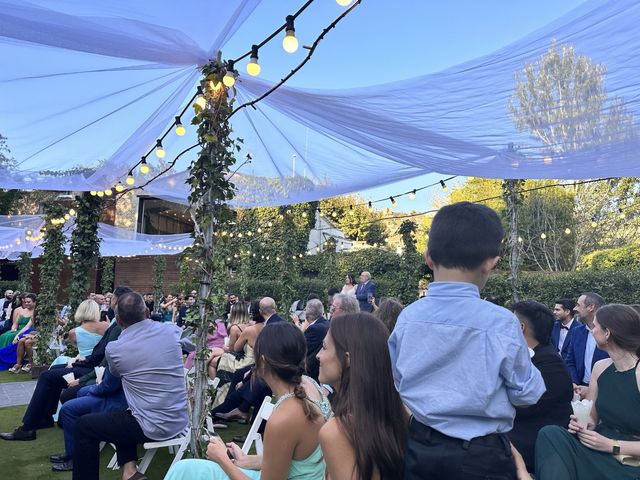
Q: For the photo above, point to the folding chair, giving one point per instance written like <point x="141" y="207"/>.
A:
<point x="266" y="409"/>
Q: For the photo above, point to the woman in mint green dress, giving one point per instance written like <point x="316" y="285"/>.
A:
<point x="22" y="321"/>
<point x="589" y="453"/>
<point x="291" y="446"/>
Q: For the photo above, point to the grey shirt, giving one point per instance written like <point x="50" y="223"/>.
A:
<point x="148" y="358"/>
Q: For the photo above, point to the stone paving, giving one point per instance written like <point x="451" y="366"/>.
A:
<point x="16" y="393"/>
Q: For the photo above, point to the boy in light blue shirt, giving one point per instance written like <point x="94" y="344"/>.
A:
<point x="461" y="363"/>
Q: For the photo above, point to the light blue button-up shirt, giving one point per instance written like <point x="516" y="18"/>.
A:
<point x="461" y="363"/>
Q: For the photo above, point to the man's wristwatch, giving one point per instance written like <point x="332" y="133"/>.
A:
<point x="616" y="447"/>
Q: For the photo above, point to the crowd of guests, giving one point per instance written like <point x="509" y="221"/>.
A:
<point x="451" y="386"/>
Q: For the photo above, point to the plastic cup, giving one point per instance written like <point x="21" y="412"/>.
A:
<point x="582" y="410"/>
<point x="69" y="377"/>
<point x="99" y="374"/>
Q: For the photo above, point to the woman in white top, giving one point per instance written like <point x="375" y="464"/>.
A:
<point x="350" y="285"/>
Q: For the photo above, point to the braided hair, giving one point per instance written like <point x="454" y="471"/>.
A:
<point x="282" y="349"/>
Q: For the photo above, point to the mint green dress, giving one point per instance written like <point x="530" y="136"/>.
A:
<point x="310" y="468"/>
<point x="7" y="337"/>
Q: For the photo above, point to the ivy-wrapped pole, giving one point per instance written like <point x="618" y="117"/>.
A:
<point x="25" y="271"/>
<point x="210" y="190"/>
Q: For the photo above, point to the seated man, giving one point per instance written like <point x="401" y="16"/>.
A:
<point x="315" y="328"/>
<point x="554" y="407"/>
<point x="148" y="359"/>
<point x="105" y="397"/>
<point x="44" y="401"/>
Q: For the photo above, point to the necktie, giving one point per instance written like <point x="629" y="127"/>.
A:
<point x="564" y="328"/>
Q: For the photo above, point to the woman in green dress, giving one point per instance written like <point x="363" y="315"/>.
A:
<point x="22" y="321"/>
<point x="609" y="447"/>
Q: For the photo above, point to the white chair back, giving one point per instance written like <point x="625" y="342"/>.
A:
<point x="266" y="409"/>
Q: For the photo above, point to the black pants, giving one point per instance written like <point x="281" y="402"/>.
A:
<point x="433" y="455"/>
<point x="44" y="401"/>
<point x="119" y="428"/>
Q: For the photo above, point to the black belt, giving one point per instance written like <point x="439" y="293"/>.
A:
<point x="429" y="434"/>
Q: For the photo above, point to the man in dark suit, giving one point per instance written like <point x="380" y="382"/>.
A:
<point x="366" y="292"/>
<point x="554" y="407"/>
<point x="583" y="352"/>
<point x="563" y="313"/>
<point x="268" y="311"/>
<point x="5" y="312"/>
<point x="315" y="328"/>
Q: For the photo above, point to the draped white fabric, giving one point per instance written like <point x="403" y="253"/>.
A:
<point x="453" y="122"/>
<point x="22" y="233"/>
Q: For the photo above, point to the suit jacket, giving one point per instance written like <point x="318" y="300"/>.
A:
<point x="577" y="338"/>
<point x="555" y="336"/>
<point x="553" y="408"/>
<point x="314" y="335"/>
<point x="363" y="291"/>
<point x="273" y="319"/>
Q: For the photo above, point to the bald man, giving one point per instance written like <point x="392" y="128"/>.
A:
<point x="366" y="292"/>
<point x="268" y="311"/>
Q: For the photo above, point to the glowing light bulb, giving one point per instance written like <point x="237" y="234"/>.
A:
<point x="144" y="167"/>
<point x="543" y="236"/>
<point x="594" y="224"/>
<point x="290" y="42"/>
<point x="343" y="3"/>
<point x="304" y="214"/>
<point x="393" y="201"/>
<point x="201" y="101"/>
<point x="53" y="221"/>
<point x="229" y="78"/>
<point x="108" y="192"/>
<point x="100" y="194"/>
<point x="119" y="187"/>
<point x="72" y="211"/>
<point x="253" y="67"/>
<point x="180" y="130"/>
<point x="443" y="185"/>
<point x="567" y="231"/>
<point x="520" y="239"/>
<point x="130" y="180"/>
<point x="67" y="216"/>
<point x="160" y="153"/>
<point x="93" y="193"/>
<point x="412" y="195"/>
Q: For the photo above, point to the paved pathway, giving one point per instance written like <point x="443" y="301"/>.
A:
<point x="16" y="393"/>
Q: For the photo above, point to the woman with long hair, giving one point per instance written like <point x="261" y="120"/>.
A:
<point x="291" y="447"/>
<point x="366" y="437"/>
<point x="609" y="445"/>
<point x="350" y="285"/>
<point x="18" y="342"/>
<point x="238" y="320"/>
<point x="388" y="311"/>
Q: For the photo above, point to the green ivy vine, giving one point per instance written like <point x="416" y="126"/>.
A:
<point x="107" y="278"/>
<point x="25" y="272"/>
<point x="159" y="267"/>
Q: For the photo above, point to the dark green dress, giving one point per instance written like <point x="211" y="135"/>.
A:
<point x="561" y="456"/>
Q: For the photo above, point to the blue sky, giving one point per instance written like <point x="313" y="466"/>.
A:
<point x="382" y="41"/>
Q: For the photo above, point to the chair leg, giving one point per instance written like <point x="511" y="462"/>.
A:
<point x="113" y="463"/>
<point x="180" y="452"/>
<point x="146" y="460"/>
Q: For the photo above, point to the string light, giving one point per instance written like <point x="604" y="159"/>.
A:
<point x="229" y="78"/>
<point x="93" y="193"/>
<point x="100" y="193"/>
<point x="393" y="201"/>
<point x="180" y="130"/>
<point x="543" y="236"/>
<point x="290" y="42"/>
<point x="130" y="180"/>
<point x="200" y="100"/>
<point x="67" y="216"/>
<point x="71" y="212"/>
<point x="108" y="192"/>
<point x="343" y="3"/>
<point x="160" y="153"/>
<point x="567" y="231"/>
<point x="443" y="185"/>
<point x="253" y="67"/>
<point x="119" y="187"/>
<point x="144" y="167"/>
<point x="412" y="195"/>
<point x="594" y="224"/>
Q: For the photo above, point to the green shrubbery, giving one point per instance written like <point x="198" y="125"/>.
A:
<point x="627" y="256"/>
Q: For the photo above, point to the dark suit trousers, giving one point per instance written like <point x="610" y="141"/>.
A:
<point x="44" y="401"/>
<point x="119" y="428"/>
<point x="432" y="455"/>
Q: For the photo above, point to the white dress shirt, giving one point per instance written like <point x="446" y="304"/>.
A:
<point x="589" y="350"/>
<point x="563" y="334"/>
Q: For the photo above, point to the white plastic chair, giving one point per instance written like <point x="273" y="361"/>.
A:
<point x="266" y="409"/>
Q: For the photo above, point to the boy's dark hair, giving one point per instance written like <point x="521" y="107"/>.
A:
<point x="538" y="317"/>
<point x="332" y="291"/>
<point x="566" y="303"/>
<point x="121" y="290"/>
<point x="313" y="296"/>
<point x="464" y="235"/>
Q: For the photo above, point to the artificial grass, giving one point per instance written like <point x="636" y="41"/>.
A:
<point x="30" y="460"/>
<point x="6" y="376"/>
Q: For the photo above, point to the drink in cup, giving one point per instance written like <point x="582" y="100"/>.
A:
<point x="582" y="410"/>
<point x="99" y="374"/>
<point x="69" y="377"/>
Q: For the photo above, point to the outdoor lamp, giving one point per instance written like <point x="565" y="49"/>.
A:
<point x="119" y="187"/>
<point x="108" y="192"/>
<point x="200" y="100"/>
<point x="229" y="78"/>
<point x="180" y="130"/>
<point x="144" y="168"/>
<point x="290" y="42"/>
<point x="130" y="180"/>
<point x="253" y="67"/>
<point x="412" y="195"/>
<point x="160" y="153"/>
<point x="100" y="193"/>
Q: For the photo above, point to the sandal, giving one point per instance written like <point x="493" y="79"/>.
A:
<point x="27" y="368"/>
<point x="15" y="369"/>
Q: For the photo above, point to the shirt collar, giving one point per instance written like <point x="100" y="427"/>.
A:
<point x="130" y="330"/>
<point x="457" y="289"/>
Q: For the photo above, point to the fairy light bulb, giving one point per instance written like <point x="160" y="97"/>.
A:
<point x="67" y="216"/>
<point x="144" y="166"/>
<point x="160" y="153"/>
<point x="253" y="67"/>
<point x="543" y="236"/>
<point x="180" y="130"/>
<point x="200" y="100"/>
<point x="343" y="3"/>
<point x="567" y="231"/>
<point x="594" y="224"/>
<point x="443" y="185"/>
<point x="229" y="78"/>
<point x="119" y="187"/>
<point x="290" y="42"/>
<point x="130" y="180"/>
<point x="393" y="201"/>
<point x="100" y="193"/>
<point x="412" y="195"/>
<point x="93" y="193"/>
<point x="108" y="192"/>
<point x="72" y="211"/>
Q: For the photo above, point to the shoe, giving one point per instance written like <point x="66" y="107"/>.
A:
<point x="19" y="434"/>
<point x="14" y="369"/>
<point x="59" y="458"/>
<point x="26" y="368"/>
<point x="234" y="414"/>
<point x="62" y="467"/>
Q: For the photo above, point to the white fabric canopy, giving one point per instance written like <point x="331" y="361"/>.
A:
<point x="453" y="122"/>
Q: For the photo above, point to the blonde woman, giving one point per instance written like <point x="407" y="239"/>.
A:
<point x="87" y="334"/>
<point x="238" y="320"/>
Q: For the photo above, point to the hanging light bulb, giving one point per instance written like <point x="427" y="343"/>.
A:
<point x="200" y="100"/>
<point x="229" y="78"/>
<point x="119" y="187"/>
<point x="443" y="185"/>
<point x="180" y="130"/>
<point x="72" y="211"/>
<point x="93" y="193"/>
<point x="290" y="42"/>
<point x="370" y="205"/>
<point x="543" y="236"/>
<point x="67" y="216"/>
<point x="144" y="167"/>
<point x="304" y="214"/>
<point x="130" y="180"/>
<point x="393" y="201"/>
<point x="343" y="3"/>
<point x="253" y="67"/>
<point x="412" y="195"/>
<point x="160" y="153"/>
<point x="567" y="231"/>
<point x="519" y="239"/>
<point x="100" y="193"/>
<point x="594" y="224"/>
<point x="108" y="192"/>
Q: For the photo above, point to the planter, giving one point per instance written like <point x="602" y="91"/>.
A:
<point x="36" y="370"/>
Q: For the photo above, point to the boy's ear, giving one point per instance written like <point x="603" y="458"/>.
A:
<point x="489" y="264"/>
<point x="428" y="260"/>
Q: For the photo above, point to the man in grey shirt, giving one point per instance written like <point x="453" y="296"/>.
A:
<point x="148" y="359"/>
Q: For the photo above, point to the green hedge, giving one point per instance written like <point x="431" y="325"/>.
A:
<point x="8" y="284"/>
<point x="616" y="286"/>
<point x="627" y="256"/>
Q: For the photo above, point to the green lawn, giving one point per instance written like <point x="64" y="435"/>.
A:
<point x="30" y="460"/>
<point x="6" y="376"/>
